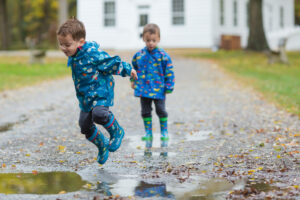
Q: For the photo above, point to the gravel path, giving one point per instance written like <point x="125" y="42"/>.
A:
<point x="218" y="128"/>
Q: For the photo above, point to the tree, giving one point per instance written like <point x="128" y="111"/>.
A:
<point x="62" y="11"/>
<point x="257" y="40"/>
<point x="4" y="25"/>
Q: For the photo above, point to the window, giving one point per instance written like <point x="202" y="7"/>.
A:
<point x="222" y="10"/>
<point x="281" y="17"/>
<point x="178" y="12"/>
<point x="143" y="19"/>
<point x="235" y="13"/>
<point x="109" y="13"/>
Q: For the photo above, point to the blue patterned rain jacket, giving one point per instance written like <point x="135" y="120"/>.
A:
<point x="155" y="73"/>
<point x="92" y="71"/>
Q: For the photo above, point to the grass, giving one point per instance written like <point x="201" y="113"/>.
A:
<point x="279" y="83"/>
<point x="15" y="72"/>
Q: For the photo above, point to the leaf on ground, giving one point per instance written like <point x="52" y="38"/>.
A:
<point x="61" y="149"/>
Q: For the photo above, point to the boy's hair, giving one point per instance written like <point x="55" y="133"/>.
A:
<point x="74" y="27"/>
<point x="152" y="29"/>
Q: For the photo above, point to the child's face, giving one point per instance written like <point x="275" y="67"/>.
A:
<point x="68" y="45"/>
<point x="151" y="40"/>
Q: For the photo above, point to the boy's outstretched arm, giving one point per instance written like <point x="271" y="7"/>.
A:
<point x="112" y="65"/>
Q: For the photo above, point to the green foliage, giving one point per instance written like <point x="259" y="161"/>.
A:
<point x="279" y="83"/>
<point x="16" y="73"/>
<point x="35" y="19"/>
<point x="297" y="12"/>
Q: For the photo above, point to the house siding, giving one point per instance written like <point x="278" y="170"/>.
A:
<point x="201" y="29"/>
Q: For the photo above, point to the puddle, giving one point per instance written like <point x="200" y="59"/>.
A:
<point x="6" y="127"/>
<point x="41" y="183"/>
<point x="260" y="186"/>
<point x="132" y="187"/>
<point x="213" y="189"/>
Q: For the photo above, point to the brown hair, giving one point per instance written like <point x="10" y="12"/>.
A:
<point x="152" y="29"/>
<point x="74" y="27"/>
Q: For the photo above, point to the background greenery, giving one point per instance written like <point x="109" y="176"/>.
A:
<point x="35" y="19"/>
<point x="16" y="72"/>
<point x="279" y="83"/>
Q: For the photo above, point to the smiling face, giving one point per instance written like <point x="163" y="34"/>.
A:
<point x="68" y="45"/>
<point x="151" y="40"/>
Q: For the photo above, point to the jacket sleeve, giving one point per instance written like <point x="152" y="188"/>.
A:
<point x="169" y="74"/>
<point x="134" y="64"/>
<point x="111" y="65"/>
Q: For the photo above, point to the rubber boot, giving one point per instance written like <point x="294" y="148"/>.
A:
<point x="102" y="143"/>
<point x="116" y="133"/>
<point x="148" y="129"/>
<point x="164" y="128"/>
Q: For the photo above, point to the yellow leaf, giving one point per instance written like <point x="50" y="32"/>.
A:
<point x="88" y="186"/>
<point x="138" y="147"/>
<point x="61" y="148"/>
<point x="278" y="156"/>
<point x="62" y="192"/>
<point x="61" y="161"/>
<point x="296" y="186"/>
<point x="78" y="152"/>
<point x="260" y="168"/>
<point x="28" y="155"/>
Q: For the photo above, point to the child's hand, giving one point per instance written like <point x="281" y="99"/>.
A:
<point x="133" y="74"/>
<point x="132" y="85"/>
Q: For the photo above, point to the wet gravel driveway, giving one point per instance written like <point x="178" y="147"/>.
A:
<point x="221" y="133"/>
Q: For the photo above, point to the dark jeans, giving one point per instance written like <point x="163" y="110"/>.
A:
<point x="87" y="120"/>
<point x="160" y="108"/>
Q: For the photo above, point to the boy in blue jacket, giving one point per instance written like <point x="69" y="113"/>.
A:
<point x="155" y="79"/>
<point x="92" y="71"/>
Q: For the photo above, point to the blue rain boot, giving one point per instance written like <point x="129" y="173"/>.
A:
<point x="102" y="143"/>
<point x="164" y="128"/>
<point x="116" y="133"/>
<point x="148" y="129"/>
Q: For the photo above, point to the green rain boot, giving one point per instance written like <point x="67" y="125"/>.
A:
<point x="148" y="129"/>
<point x="116" y="133"/>
<point x="164" y="128"/>
<point x="102" y="143"/>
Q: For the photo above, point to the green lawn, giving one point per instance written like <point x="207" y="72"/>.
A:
<point x="277" y="82"/>
<point x="15" y="72"/>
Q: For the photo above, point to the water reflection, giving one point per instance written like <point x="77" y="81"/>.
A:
<point x="148" y="149"/>
<point x="163" y="150"/>
<point x="152" y="190"/>
<point x="41" y="183"/>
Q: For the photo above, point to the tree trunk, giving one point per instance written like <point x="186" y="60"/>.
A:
<point x="62" y="11"/>
<point x="257" y="40"/>
<point x="4" y="25"/>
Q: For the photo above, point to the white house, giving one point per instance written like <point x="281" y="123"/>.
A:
<point x="117" y="24"/>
